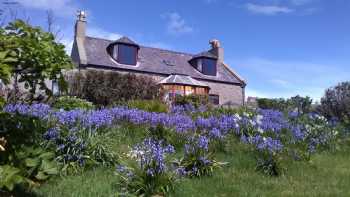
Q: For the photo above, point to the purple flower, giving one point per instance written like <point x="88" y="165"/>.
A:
<point x="52" y="134"/>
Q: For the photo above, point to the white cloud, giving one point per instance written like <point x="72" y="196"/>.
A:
<point x="176" y="24"/>
<point x="101" y="33"/>
<point x="268" y="9"/>
<point x="60" y="7"/>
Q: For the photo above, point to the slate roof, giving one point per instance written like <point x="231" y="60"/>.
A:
<point x="154" y="60"/>
<point x="183" y="80"/>
<point x="205" y="54"/>
<point x="126" y="40"/>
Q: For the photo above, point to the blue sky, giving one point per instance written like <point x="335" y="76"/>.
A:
<point x="281" y="47"/>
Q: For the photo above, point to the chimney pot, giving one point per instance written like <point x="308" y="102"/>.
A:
<point x="214" y="43"/>
<point x="81" y="15"/>
<point x="217" y="50"/>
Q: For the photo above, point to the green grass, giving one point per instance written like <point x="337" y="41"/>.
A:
<point x="328" y="174"/>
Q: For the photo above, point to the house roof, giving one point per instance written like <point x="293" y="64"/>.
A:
<point x="154" y="60"/>
<point x="183" y="80"/>
<point x="126" y="40"/>
<point x="205" y="54"/>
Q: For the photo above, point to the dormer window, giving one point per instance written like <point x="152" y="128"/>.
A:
<point x="126" y="54"/>
<point x="205" y="63"/>
<point x="124" y="51"/>
<point x="208" y="66"/>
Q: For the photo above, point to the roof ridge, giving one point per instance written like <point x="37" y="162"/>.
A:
<point x="143" y="46"/>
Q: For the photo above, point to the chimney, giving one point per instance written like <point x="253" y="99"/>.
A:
<point x="217" y="50"/>
<point x="78" y="51"/>
<point x="80" y="25"/>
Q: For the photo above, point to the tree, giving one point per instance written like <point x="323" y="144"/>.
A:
<point x="336" y="102"/>
<point x="37" y="57"/>
<point x="301" y="104"/>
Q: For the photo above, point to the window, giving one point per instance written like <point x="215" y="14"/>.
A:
<point x="209" y="66"/>
<point x="214" y="99"/>
<point x="127" y="54"/>
<point x="55" y="88"/>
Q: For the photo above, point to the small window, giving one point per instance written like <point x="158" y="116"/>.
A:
<point x="126" y="54"/>
<point x="214" y="99"/>
<point x="55" y="88"/>
<point x="209" y="66"/>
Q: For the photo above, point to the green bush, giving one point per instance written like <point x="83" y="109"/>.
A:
<point x="20" y="162"/>
<point x="71" y="102"/>
<point x="336" y="102"/>
<point x="106" y="88"/>
<point x="148" y="105"/>
<point x="296" y="103"/>
<point x="195" y="100"/>
<point x="19" y="131"/>
<point x="10" y="177"/>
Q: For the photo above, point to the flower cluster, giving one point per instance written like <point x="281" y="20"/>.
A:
<point x="150" y="155"/>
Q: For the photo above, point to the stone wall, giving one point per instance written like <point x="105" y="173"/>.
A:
<point x="229" y="94"/>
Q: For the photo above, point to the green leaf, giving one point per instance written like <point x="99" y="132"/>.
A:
<point x="41" y="176"/>
<point x="49" y="167"/>
<point x="32" y="162"/>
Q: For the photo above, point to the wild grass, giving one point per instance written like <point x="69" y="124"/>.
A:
<point x="327" y="174"/>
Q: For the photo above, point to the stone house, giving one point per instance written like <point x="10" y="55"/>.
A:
<point x="179" y="73"/>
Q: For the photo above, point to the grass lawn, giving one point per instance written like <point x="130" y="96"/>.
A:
<point x="328" y="174"/>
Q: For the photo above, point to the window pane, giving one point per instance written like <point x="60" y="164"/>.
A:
<point x="127" y="54"/>
<point x="214" y="99"/>
<point x="209" y="67"/>
<point x="55" y="88"/>
<point x="189" y="90"/>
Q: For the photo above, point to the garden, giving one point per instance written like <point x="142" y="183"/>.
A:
<point x="94" y="141"/>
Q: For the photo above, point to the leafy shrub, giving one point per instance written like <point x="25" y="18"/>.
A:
<point x="107" y="88"/>
<point x="37" y="163"/>
<point x="195" y="100"/>
<point x="21" y="163"/>
<point x="10" y="177"/>
<point x="148" y="105"/>
<point x="78" y="149"/>
<point x="19" y="131"/>
<point x="150" y="175"/>
<point x="296" y="103"/>
<point x="71" y="102"/>
<point x="335" y="102"/>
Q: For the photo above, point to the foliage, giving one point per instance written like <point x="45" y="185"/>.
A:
<point x="197" y="160"/>
<point x="70" y="102"/>
<point x="5" y="67"/>
<point x="195" y="100"/>
<point x="106" y="88"/>
<point x="37" y="163"/>
<point x="79" y="149"/>
<point x="296" y="103"/>
<point x="2" y="102"/>
<point x="150" y="176"/>
<point x="148" y="105"/>
<point x="19" y="130"/>
<point x="35" y="56"/>
<point x="335" y="102"/>
<point x="10" y="177"/>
